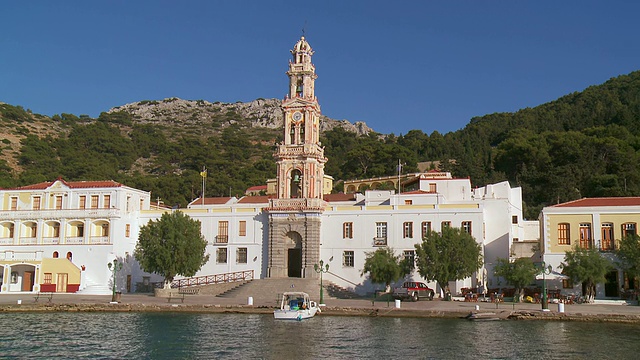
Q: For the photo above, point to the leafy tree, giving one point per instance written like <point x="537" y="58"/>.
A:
<point x="629" y="254"/>
<point x="171" y="246"/>
<point x="518" y="273"/>
<point x="384" y="267"/>
<point x="450" y="255"/>
<point x="586" y="266"/>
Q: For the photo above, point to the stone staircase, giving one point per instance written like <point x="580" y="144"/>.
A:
<point x="269" y="290"/>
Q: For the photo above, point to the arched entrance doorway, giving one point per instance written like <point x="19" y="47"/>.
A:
<point x="294" y="254"/>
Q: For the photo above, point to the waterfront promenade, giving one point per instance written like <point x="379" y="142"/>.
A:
<point x="611" y="311"/>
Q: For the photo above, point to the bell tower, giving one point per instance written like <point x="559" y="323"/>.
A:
<point x="294" y="214"/>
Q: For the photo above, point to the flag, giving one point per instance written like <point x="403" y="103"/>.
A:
<point x="203" y="173"/>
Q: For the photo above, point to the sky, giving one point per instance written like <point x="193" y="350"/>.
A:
<point x="396" y="65"/>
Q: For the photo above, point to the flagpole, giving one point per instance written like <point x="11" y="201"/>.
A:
<point x="204" y="179"/>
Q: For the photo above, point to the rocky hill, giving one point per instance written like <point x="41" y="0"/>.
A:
<point x="201" y="114"/>
<point x="175" y="116"/>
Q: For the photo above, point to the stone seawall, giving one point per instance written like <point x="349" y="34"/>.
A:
<point x="326" y="311"/>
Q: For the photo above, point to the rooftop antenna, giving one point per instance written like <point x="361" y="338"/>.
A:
<point x="304" y="28"/>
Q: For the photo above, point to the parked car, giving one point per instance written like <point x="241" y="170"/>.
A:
<point x="414" y="291"/>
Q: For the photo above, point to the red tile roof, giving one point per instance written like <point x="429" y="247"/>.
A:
<point x="71" y="184"/>
<point x="263" y="199"/>
<point x="211" y="201"/>
<point x="257" y="188"/>
<point x="605" y="201"/>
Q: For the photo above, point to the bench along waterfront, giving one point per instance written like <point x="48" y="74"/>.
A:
<point x="48" y="295"/>
<point x="181" y="293"/>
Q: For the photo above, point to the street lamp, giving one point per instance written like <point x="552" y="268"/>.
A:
<point x="322" y="268"/>
<point x="115" y="267"/>
<point x="546" y="270"/>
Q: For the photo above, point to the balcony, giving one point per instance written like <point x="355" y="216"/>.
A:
<point x="59" y="214"/>
<point x="380" y="241"/>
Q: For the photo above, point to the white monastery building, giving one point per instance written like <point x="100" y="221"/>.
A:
<point x="60" y="236"/>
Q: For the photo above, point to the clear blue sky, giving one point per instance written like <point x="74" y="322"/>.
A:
<point x="397" y="65"/>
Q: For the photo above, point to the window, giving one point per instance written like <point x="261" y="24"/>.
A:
<point x="105" y="230"/>
<point x="347" y="259"/>
<point x="432" y="188"/>
<point x="347" y="230"/>
<point x="381" y="234"/>
<point x="408" y="202"/>
<point x="407" y="230"/>
<point x="445" y="225"/>
<point x="127" y="230"/>
<point x="80" y="230"/>
<point x="55" y="255"/>
<point x="94" y="201"/>
<point x="567" y="284"/>
<point x="82" y="202"/>
<point x="58" y="202"/>
<point x="466" y="227"/>
<point x="585" y="235"/>
<point x="607" y="237"/>
<point x="426" y="228"/>
<point x="33" y="229"/>
<point x="242" y="228"/>
<point x="514" y="219"/>
<point x="223" y="232"/>
<point x="47" y="278"/>
<point x="241" y="257"/>
<point x="221" y="255"/>
<point x="107" y="201"/>
<point x="14" y="277"/>
<point x="14" y="203"/>
<point x="141" y="204"/>
<point x="410" y="255"/>
<point x="56" y="230"/>
<point x="36" y="202"/>
<point x="69" y="256"/>
<point x="564" y="234"/>
<point x="628" y="229"/>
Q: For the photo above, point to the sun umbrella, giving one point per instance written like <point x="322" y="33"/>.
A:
<point x="554" y="275"/>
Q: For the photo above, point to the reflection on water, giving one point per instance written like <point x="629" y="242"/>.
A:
<point x="209" y="336"/>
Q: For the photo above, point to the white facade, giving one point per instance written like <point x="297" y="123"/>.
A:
<point x="90" y="223"/>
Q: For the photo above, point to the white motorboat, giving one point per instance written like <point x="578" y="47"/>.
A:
<point x="296" y="306"/>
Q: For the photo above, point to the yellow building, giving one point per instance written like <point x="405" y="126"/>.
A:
<point x="597" y="223"/>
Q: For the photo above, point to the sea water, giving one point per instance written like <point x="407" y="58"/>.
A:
<point x="246" y="336"/>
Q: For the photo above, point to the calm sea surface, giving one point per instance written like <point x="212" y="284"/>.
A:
<point x="241" y="336"/>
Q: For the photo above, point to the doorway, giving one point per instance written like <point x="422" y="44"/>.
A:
<point x="611" y="287"/>
<point x="28" y="280"/>
<point x="294" y="263"/>
<point x="61" y="285"/>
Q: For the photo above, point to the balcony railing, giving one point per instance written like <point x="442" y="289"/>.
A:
<point x="74" y="240"/>
<point x="59" y="214"/>
<point x="222" y="239"/>
<point x="214" y="279"/>
<point x="51" y="240"/>
<point x="379" y="241"/>
<point x="6" y="241"/>
<point x="28" y="240"/>
<point x="99" y="240"/>
<point x="296" y="204"/>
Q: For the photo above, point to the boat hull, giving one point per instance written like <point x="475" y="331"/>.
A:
<point x="294" y="314"/>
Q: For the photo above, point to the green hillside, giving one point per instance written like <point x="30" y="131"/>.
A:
<point x="583" y="144"/>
